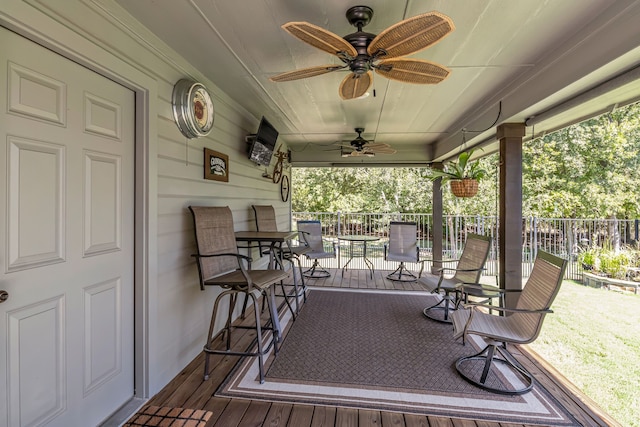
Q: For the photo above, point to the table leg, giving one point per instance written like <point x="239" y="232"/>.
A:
<point x="277" y="330"/>
<point x="367" y="261"/>
<point x="350" y="257"/>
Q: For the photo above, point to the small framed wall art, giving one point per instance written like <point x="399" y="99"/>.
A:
<point x="216" y="166"/>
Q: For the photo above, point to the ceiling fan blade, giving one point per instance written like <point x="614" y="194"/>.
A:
<point x="377" y="145"/>
<point x="382" y="150"/>
<point x="412" y="71"/>
<point x="362" y="153"/>
<point x="320" y="38"/>
<point x="411" y="35"/>
<point x="354" y="85"/>
<point x="303" y="73"/>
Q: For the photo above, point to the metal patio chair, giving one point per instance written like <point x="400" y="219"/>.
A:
<point x="266" y="221"/>
<point x="220" y="264"/>
<point x="402" y="247"/>
<point x="519" y="325"/>
<point x="468" y="270"/>
<point x="311" y="233"/>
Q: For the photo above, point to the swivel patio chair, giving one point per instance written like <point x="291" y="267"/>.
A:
<point x="403" y="247"/>
<point x="519" y="325"/>
<point x="266" y="221"/>
<point x="468" y="270"/>
<point x="220" y="264"/>
<point x="311" y="233"/>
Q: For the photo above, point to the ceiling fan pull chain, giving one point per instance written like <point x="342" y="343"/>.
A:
<point x="373" y="85"/>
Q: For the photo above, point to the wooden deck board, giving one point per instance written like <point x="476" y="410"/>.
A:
<point x="301" y="415"/>
<point x="188" y="389"/>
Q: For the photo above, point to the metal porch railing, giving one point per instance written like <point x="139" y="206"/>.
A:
<point x="560" y="236"/>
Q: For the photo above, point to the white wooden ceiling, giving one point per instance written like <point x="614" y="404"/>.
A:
<point x="525" y="55"/>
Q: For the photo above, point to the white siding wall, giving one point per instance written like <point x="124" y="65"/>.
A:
<point x="103" y="37"/>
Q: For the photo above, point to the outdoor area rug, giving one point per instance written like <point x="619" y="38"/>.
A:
<point x="151" y="416"/>
<point x="376" y="350"/>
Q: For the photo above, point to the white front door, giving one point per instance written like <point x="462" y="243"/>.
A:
<point x="66" y="239"/>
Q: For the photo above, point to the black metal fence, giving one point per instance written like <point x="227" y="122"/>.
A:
<point x="560" y="236"/>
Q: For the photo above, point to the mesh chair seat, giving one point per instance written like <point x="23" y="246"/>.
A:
<point x="500" y="328"/>
<point x="519" y="325"/>
<point x="261" y="279"/>
<point x="432" y="283"/>
<point x="468" y="270"/>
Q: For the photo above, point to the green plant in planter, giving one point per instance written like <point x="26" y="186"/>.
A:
<point x="609" y="263"/>
<point x="615" y="264"/>
<point x="460" y="169"/>
<point x="589" y="259"/>
<point x="463" y="175"/>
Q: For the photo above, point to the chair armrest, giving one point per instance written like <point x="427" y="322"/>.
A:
<point x="465" y="287"/>
<point x="239" y="257"/>
<point x="421" y="262"/>
<point x="476" y="306"/>
<point x="245" y="257"/>
<point x="492" y="288"/>
<point x="304" y="236"/>
<point x="482" y="287"/>
<point x="461" y="269"/>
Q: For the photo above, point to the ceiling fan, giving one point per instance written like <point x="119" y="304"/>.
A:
<point x="362" y="147"/>
<point x="362" y="52"/>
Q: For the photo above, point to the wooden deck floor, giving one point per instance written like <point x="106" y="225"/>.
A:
<point x="188" y="390"/>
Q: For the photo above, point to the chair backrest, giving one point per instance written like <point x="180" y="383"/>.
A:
<point x="265" y="221"/>
<point x="543" y="283"/>
<point x="214" y="232"/>
<point x="265" y="218"/>
<point x="403" y="241"/>
<point x="310" y="232"/>
<point x="538" y="293"/>
<point x="474" y="255"/>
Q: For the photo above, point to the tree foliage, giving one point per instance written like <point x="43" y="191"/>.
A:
<point x="383" y="190"/>
<point x="588" y="170"/>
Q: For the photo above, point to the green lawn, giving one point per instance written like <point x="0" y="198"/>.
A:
<point x="593" y="338"/>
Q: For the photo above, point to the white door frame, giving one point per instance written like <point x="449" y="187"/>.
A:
<point x="73" y="47"/>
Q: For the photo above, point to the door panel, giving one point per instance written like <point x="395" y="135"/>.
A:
<point x="37" y="382"/>
<point x="66" y="242"/>
<point x="36" y="175"/>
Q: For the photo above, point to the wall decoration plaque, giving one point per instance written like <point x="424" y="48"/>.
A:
<point x="216" y="165"/>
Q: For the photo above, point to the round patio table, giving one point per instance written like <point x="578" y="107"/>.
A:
<point x="357" y="242"/>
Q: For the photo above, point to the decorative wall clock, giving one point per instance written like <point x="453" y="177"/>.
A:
<point x="284" y="188"/>
<point x="192" y="108"/>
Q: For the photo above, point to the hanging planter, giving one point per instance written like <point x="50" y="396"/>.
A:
<point x="467" y="187"/>
<point x="462" y="175"/>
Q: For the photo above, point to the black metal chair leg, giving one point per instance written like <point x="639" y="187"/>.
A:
<point x="488" y="356"/>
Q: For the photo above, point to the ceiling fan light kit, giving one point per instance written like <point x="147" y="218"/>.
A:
<point x="384" y="53"/>
<point x="361" y="147"/>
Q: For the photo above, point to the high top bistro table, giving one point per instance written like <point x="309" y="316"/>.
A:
<point x="275" y="240"/>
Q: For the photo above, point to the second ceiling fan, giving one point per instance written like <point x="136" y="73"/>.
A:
<point x="362" y="147"/>
<point x="362" y="52"/>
